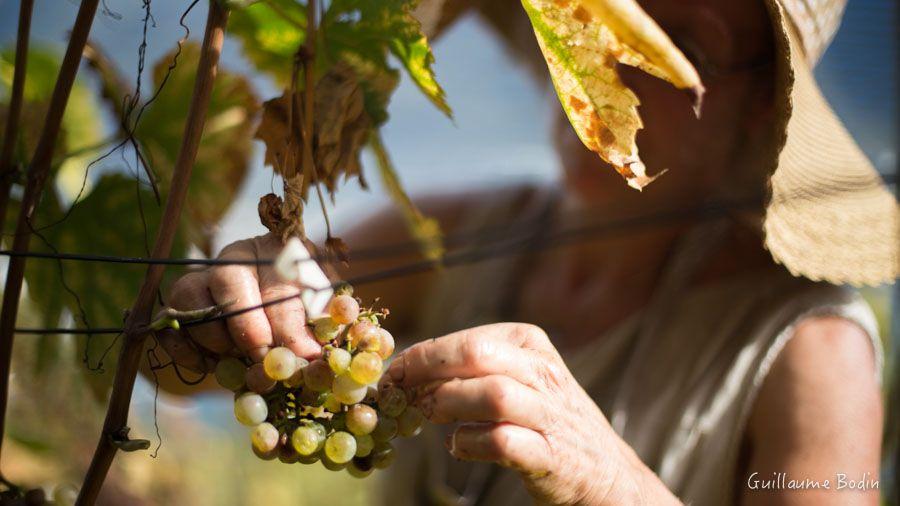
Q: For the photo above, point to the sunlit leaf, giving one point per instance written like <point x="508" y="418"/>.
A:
<point x="426" y="230"/>
<point x="583" y="41"/>
<point x="270" y="33"/>
<point x="371" y="29"/>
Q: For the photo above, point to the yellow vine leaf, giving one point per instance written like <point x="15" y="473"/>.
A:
<point x="582" y="41"/>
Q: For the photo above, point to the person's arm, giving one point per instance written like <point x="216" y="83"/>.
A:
<point x="818" y="416"/>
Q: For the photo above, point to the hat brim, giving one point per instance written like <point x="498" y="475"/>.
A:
<point x="830" y="216"/>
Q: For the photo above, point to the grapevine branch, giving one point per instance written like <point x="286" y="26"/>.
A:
<point x="37" y="175"/>
<point x="136" y="330"/>
<point x="11" y="134"/>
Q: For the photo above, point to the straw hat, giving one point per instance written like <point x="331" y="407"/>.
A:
<point x="829" y="216"/>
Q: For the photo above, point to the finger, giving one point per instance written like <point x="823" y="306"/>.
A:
<point x="506" y="444"/>
<point x="286" y="319"/>
<point x="487" y="399"/>
<point x="250" y="331"/>
<point x="481" y="351"/>
<point x="182" y="351"/>
<point x="192" y="292"/>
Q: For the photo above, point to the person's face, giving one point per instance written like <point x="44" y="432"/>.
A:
<point x="731" y="45"/>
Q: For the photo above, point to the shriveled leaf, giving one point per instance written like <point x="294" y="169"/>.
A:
<point x="369" y="29"/>
<point x="426" y="230"/>
<point x="582" y="41"/>
<point x="341" y="127"/>
<point x="225" y="149"/>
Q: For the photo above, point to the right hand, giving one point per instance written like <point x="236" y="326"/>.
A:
<point x="251" y="334"/>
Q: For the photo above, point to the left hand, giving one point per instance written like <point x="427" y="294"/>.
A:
<point x="519" y="406"/>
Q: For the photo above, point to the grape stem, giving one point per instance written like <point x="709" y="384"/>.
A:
<point x="37" y="175"/>
<point x="136" y="326"/>
<point x="172" y="318"/>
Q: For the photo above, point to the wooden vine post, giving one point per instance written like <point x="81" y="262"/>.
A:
<point x="11" y="134"/>
<point x="136" y="326"/>
<point x="37" y="176"/>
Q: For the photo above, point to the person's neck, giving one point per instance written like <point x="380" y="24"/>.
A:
<point x="585" y="288"/>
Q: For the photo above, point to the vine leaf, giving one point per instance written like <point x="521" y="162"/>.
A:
<point x="583" y="41"/>
<point x="223" y="159"/>
<point x="108" y="220"/>
<point x="426" y="230"/>
<point x="270" y="33"/>
<point x="368" y="29"/>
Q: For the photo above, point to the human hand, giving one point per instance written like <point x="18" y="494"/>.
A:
<point x="252" y="333"/>
<point x="519" y="406"/>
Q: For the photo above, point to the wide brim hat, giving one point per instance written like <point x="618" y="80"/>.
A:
<point x="829" y="216"/>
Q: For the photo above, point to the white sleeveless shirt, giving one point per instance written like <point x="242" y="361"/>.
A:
<point x="677" y="381"/>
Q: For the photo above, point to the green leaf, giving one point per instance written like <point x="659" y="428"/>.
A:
<point x="225" y="149"/>
<point x="270" y="33"/>
<point x="106" y="222"/>
<point x="369" y="30"/>
<point x="426" y="230"/>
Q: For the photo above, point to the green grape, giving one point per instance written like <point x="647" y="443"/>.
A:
<point x="318" y="376"/>
<point x="296" y="379"/>
<point x="385" y="429"/>
<point x="360" y="467"/>
<point x="343" y="309"/>
<point x="391" y="401"/>
<point x="320" y="430"/>
<point x="339" y="360"/>
<point x="410" y="422"/>
<point x="307" y="440"/>
<point x="340" y="447"/>
<point x="386" y="348"/>
<point x="366" y="367"/>
<point x="265" y="437"/>
<point x="364" y="445"/>
<point x="361" y="419"/>
<point x="348" y="391"/>
<point x="230" y="373"/>
<point x="269" y="455"/>
<point x="280" y="363"/>
<point x="65" y="494"/>
<point x="332" y="403"/>
<point x="363" y="332"/>
<point x="331" y="465"/>
<point x="250" y="409"/>
<point x="326" y="330"/>
<point x="258" y="381"/>
<point x="383" y="455"/>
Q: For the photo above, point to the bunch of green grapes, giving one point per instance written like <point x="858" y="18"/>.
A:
<point x="327" y="410"/>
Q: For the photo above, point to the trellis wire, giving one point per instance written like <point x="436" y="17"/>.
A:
<point x="508" y="246"/>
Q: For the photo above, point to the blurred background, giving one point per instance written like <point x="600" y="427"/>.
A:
<point x="500" y="134"/>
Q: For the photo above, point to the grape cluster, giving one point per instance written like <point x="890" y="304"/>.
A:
<point x="326" y="410"/>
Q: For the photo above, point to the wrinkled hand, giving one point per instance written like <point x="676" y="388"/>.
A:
<point x="519" y="406"/>
<point x="251" y="333"/>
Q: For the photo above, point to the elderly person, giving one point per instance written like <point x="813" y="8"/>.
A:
<point x="690" y="361"/>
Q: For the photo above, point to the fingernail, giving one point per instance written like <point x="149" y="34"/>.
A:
<point x="397" y="370"/>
